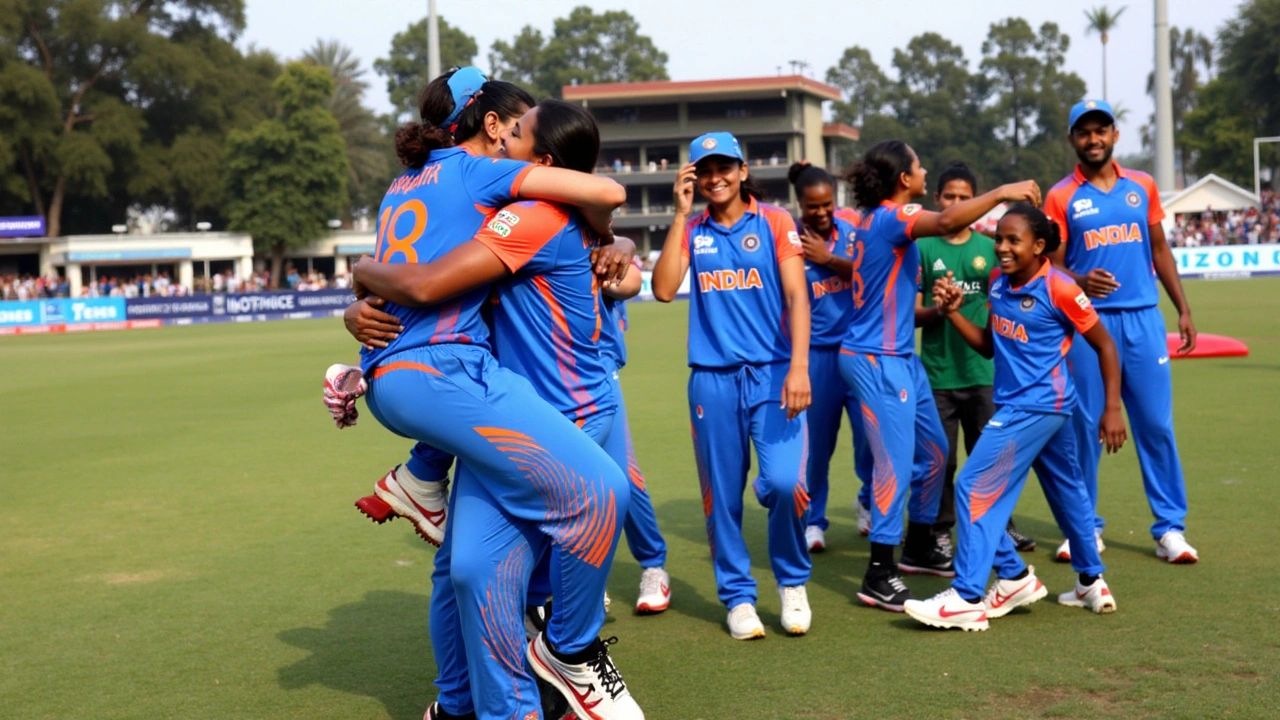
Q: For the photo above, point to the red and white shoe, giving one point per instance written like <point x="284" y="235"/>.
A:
<point x="1005" y="595"/>
<point x="1173" y="547"/>
<point x="863" y="514"/>
<point x="815" y="539"/>
<point x="1064" y="550"/>
<point x="425" y="504"/>
<point x="594" y="689"/>
<point x="948" y="610"/>
<point x="1097" y="597"/>
<point x="655" y="591"/>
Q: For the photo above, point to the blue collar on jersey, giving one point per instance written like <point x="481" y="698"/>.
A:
<point x="1045" y="268"/>
<point x="1121" y="173"/>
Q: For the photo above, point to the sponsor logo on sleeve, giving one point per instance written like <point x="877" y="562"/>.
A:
<point x="1083" y="302"/>
<point x="500" y="227"/>
<point x="793" y="237"/>
<point x="911" y="209"/>
<point x="508" y="217"/>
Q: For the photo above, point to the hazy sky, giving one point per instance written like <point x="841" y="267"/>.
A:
<point x="709" y="39"/>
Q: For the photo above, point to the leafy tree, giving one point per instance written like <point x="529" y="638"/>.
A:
<point x="1014" y="77"/>
<point x="286" y="178"/>
<point x="584" y="48"/>
<point x="521" y="62"/>
<point x="1250" y="45"/>
<point x="361" y="130"/>
<point x="1102" y="21"/>
<point x="864" y="84"/>
<point x="71" y="73"/>
<point x="405" y="67"/>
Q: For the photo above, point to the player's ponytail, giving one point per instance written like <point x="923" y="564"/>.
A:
<point x="803" y="176"/>
<point x="875" y="176"/>
<point x="1040" y="225"/>
<point x="443" y="124"/>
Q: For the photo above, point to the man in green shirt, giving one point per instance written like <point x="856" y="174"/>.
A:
<point x="961" y="378"/>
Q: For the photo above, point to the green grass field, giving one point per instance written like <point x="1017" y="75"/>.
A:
<point x="177" y="540"/>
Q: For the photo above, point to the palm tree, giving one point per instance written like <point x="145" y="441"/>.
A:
<point x="1188" y="52"/>
<point x="1103" y="21"/>
<point x="366" y="143"/>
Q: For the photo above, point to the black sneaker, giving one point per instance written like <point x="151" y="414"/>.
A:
<point x="931" y="561"/>
<point x="435" y="713"/>
<point x="942" y="541"/>
<point x="1020" y="541"/>
<point x="885" y="591"/>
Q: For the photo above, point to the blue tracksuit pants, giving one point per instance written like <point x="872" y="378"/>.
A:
<point x="1147" y="391"/>
<point x="831" y="400"/>
<point x="906" y="438"/>
<point x="527" y="479"/>
<point x="729" y="408"/>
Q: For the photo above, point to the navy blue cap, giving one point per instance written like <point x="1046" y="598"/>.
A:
<point x="716" y="143"/>
<point x="1084" y="107"/>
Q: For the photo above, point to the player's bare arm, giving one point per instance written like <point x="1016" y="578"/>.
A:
<point x="672" y="265"/>
<point x="1167" y="270"/>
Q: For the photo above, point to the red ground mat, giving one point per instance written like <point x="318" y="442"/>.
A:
<point x="1208" y="346"/>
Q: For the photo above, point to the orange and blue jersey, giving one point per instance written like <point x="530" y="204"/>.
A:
<point x="886" y="274"/>
<point x="830" y="296"/>
<point x="550" y="319"/>
<point x="737" y="314"/>
<point x="1110" y="230"/>
<point x="425" y="214"/>
<point x="1032" y="328"/>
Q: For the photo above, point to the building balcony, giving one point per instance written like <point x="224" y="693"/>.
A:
<point x="631" y="175"/>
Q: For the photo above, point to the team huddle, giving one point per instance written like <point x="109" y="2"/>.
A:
<point x="491" y="319"/>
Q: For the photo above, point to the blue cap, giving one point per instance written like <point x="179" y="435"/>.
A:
<point x="463" y="86"/>
<point x="716" y="143"/>
<point x="1084" y="107"/>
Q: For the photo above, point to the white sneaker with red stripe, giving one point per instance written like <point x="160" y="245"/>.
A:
<point x="594" y="688"/>
<point x="1096" y="597"/>
<point x="948" y="610"/>
<point x="815" y="539"/>
<point x="655" y="591"/>
<point x="1064" y="550"/>
<point x="1173" y="547"/>
<point x="1005" y="595"/>
<point x="425" y="504"/>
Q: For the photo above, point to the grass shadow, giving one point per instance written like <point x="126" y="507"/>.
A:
<point x="363" y="649"/>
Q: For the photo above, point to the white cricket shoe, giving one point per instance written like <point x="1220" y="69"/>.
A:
<point x="796" y="615"/>
<point x="1097" y="597"/>
<point x="948" y="610"/>
<point x="744" y="623"/>
<point x="815" y="539"/>
<point x="655" y="591"/>
<point x="594" y="689"/>
<point x="1064" y="550"/>
<point x="423" y="503"/>
<point x="864" y="518"/>
<point x="1173" y="546"/>
<point x="607" y="601"/>
<point x="1005" y="595"/>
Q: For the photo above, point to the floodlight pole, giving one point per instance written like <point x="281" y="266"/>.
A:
<point x="433" y="41"/>
<point x="1257" y="173"/>
<point x="1164" y="100"/>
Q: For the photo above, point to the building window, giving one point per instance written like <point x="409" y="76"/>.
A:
<point x="766" y="152"/>
<point x="627" y="114"/>
<point x="738" y="109"/>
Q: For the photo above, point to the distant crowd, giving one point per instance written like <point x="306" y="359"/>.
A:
<point x="1235" y="227"/>
<point x="34" y="287"/>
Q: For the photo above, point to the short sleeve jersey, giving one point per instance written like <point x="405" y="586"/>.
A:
<point x="886" y="274"/>
<point x="548" y="321"/>
<point x="425" y="214"/>
<point x="1032" y="328"/>
<point x="948" y="360"/>
<point x="830" y="300"/>
<point x="1110" y="230"/>
<point x="737" y="314"/>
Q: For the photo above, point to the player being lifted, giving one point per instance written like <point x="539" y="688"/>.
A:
<point x="1114" y="247"/>
<point x="1034" y="313"/>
